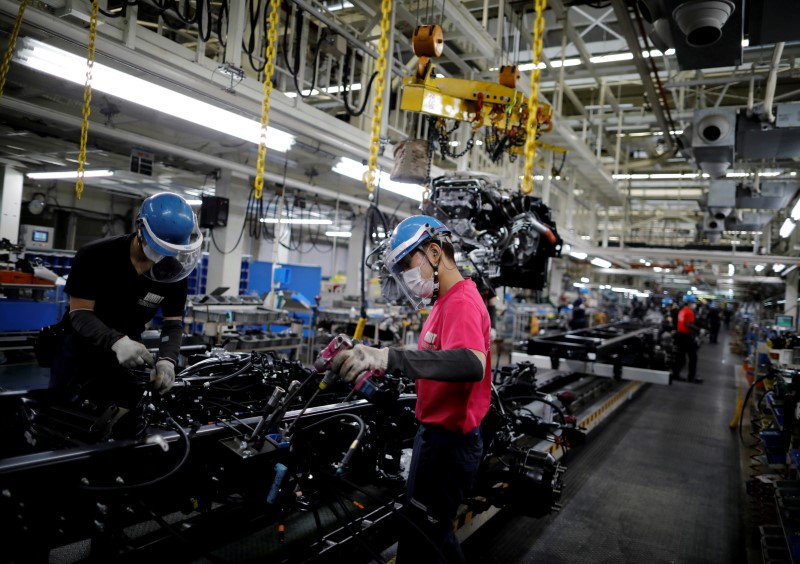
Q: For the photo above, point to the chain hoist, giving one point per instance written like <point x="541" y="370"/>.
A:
<point x="269" y="70"/>
<point x="532" y="121"/>
<point x="377" y="113"/>
<point x="87" y="98"/>
<point x="12" y="41"/>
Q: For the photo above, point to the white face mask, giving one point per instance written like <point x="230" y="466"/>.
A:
<point x="419" y="286"/>
<point x="150" y="253"/>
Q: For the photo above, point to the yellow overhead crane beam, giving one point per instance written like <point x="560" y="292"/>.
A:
<point x="478" y="102"/>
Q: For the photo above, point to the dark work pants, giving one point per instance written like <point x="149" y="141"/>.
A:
<point x="686" y="347"/>
<point x="713" y="332"/>
<point x="443" y="469"/>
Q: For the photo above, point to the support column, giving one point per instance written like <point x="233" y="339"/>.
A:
<point x="353" y="285"/>
<point x="606" y="226"/>
<point x="790" y="306"/>
<point x="548" y="171"/>
<point x="570" y="224"/>
<point x="10" y="204"/>
<point x="224" y="268"/>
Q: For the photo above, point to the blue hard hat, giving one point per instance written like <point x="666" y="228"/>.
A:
<point x="172" y="240"/>
<point x="167" y="218"/>
<point x="410" y="234"/>
<point x="690" y="299"/>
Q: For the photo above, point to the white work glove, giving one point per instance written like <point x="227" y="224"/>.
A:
<point x="131" y="354"/>
<point x="348" y="364"/>
<point x="163" y="376"/>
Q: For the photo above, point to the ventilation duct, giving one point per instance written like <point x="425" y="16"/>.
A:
<point x="705" y="33"/>
<point x="756" y="140"/>
<point x="714" y="140"/>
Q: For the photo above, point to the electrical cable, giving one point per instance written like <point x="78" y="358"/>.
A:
<point x="540" y="400"/>
<point x="294" y="67"/>
<point x="345" y="91"/>
<point x="130" y="487"/>
<point x="241" y="231"/>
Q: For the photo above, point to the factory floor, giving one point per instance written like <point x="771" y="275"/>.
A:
<point x="659" y="483"/>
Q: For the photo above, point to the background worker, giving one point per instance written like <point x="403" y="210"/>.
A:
<point x="684" y="340"/>
<point x="452" y="369"/>
<point x="115" y="287"/>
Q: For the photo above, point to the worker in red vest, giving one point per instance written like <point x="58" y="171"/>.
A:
<point x="684" y="340"/>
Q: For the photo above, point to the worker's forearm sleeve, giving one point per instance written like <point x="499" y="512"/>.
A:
<point x="171" y="336"/>
<point x="86" y="324"/>
<point x="456" y="365"/>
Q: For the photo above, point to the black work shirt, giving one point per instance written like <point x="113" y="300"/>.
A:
<point x="124" y="300"/>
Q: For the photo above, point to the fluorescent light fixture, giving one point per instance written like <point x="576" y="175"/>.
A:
<point x="745" y="42"/>
<point x="356" y="170"/>
<point x="296" y="221"/>
<point x="338" y="234"/>
<point x="65" y="174"/>
<point x="642" y="261"/>
<point x="577" y="255"/>
<point x="619" y="290"/>
<point x="795" y="215"/>
<point x="586" y="237"/>
<point x="760" y="267"/>
<point x="59" y="63"/>
<point x="612" y="58"/>
<point x="336" y="6"/>
<point x="585" y="280"/>
<point x="731" y="270"/>
<point x="195" y="202"/>
<point x="647" y="264"/>
<point x="578" y="285"/>
<point x="602" y="263"/>
<point x="787" y="228"/>
<point x="778" y="267"/>
<point x="657" y="269"/>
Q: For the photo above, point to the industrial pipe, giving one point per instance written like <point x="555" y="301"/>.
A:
<point x="772" y="81"/>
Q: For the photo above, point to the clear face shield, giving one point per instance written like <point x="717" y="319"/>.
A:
<point x="405" y="281"/>
<point x="172" y="262"/>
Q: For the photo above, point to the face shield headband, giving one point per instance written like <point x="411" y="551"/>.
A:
<point x="176" y="261"/>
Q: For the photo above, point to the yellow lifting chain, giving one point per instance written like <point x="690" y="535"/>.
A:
<point x="11" y="43"/>
<point x="380" y="66"/>
<point x="531" y="124"/>
<point x="87" y="99"/>
<point x="269" y="70"/>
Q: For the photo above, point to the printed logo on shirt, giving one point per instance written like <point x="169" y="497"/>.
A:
<point x="151" y="300"/>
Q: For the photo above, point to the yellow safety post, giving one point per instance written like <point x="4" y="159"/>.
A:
<point x="380" y="67"/>
<point x="269" y="70"/>
<point x="87" y="99"/>
<point x="532" y="122"/>
<point x="11" y="43"/>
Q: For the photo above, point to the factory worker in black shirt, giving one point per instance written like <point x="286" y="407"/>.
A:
<point x="115" y="287"/>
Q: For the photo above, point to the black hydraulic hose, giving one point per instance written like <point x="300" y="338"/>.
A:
<point x="744" y="404"/>
<point x="539" y="400"/>
<point x="390" y="505"/>
<point x="236" y="374"/>
<point x="127" y="488"/>
<point x="178" y="535"/>
<point x="354" y="534"/>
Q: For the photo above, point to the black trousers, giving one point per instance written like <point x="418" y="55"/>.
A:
<point x="686" y="346"/>
<point x="713" y="332"/>
<point x="443" y="469"/>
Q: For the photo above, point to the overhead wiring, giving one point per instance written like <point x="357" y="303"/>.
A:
<point x="345" y="90"/>
<point x="294" y="66"/>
